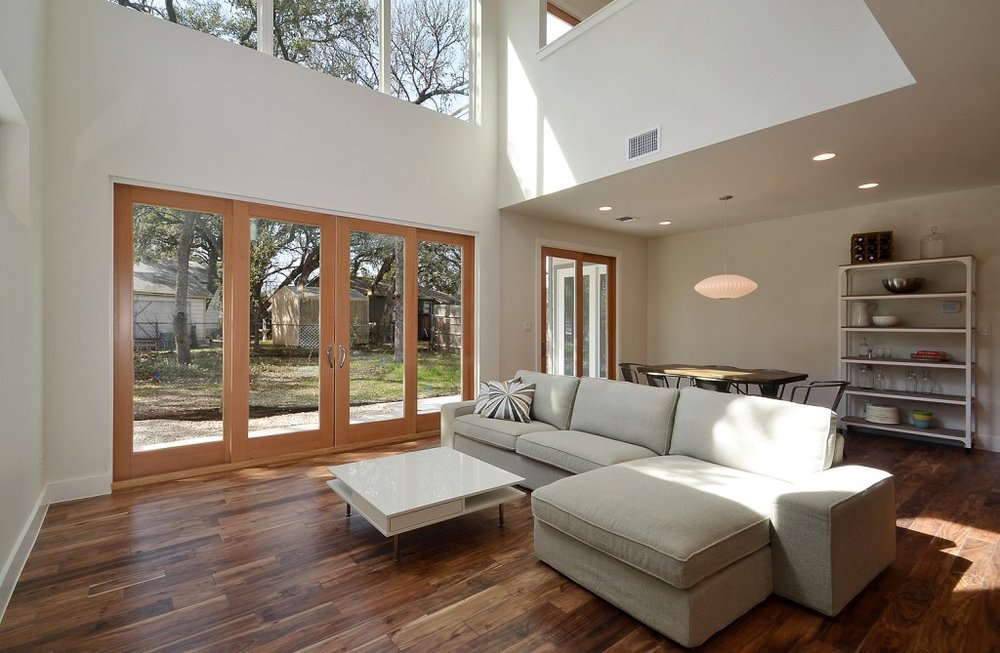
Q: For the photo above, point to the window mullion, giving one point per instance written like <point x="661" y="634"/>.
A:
<point x="265" y="26"/>
<point x="384" y="45"/>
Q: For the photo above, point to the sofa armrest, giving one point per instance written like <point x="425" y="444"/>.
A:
<point x="448" y="414"/>
<point x="832" y="534"/>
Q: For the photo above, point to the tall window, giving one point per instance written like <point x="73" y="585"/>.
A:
<point x="427" y="54"/>
<point x="557" y="22"/>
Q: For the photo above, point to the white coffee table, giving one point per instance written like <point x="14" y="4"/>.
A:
<point x="407" y="491"/>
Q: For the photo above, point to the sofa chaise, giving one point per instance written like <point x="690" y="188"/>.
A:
<point x="686" y="508"/>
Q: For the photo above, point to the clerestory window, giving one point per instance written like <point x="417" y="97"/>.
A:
<point x="424" y="60"/>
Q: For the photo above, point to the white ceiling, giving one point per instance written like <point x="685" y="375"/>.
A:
<point x="940" y="134"/>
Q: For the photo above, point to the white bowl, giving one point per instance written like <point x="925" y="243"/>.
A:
<point x="885" y="320"/>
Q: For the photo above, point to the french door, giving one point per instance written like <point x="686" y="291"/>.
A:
<point x="578" y="313"/>
<point x="247" y="331"/>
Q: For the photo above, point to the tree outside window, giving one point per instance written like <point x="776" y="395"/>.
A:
<point x="428" y="48"/>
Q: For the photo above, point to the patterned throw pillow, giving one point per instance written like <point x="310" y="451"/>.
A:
<point x="483" y="398"/>
<point x="509" y="400"/>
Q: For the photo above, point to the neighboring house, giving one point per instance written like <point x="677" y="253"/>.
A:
<point x="295" y="314"/>
<point x="154" y="302"/>
<point x="429" y="304"/>
<point x="295" y="317"/>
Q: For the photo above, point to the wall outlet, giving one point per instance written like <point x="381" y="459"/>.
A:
<point x="984" y="329"/>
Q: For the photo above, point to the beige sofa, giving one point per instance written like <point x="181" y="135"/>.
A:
<point x="687" y="508"/>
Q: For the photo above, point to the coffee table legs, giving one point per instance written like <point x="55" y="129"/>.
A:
<point x="395" y="538"/>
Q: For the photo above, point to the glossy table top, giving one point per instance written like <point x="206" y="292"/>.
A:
<point x="397" y="484"/>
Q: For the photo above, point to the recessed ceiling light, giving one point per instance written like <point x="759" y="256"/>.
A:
<point x="869" y="185"/>
<point x="825" y="156"/>
<point x="605" y="208"/>
<point x="665" y="222"/>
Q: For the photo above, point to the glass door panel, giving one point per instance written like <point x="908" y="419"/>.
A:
<point x="377" y="335"/>
<point x="285" y="352"/>
<point x="595" y="320"/>
<point x="578" y="313"/>
<point x="177" y="392"/>
<point x="439" y="325"/>
<point x="560" y="307"/>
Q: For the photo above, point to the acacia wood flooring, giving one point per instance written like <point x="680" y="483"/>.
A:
<point x="265" y="559"/>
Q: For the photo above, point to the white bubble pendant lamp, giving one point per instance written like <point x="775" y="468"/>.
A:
<point x="725" y="286"/>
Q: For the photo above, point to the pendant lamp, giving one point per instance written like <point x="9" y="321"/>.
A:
<point x="725" y="286"/>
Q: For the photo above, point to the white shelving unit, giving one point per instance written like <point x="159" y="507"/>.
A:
<point x="940" y="316"/>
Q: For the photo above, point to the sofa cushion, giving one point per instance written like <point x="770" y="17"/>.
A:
<point x="508" y="400"/>
<point x="660" y="521"/>
<point x="497" y="432"/>
<point x="554" y="396"/>
<point x="755" y="434"/>
<point x="633" y="413"/>
<point x="576" y="451"/>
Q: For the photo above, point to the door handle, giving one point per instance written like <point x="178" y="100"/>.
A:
<point x="329" y="356"/>
<point x="343" y="356"/>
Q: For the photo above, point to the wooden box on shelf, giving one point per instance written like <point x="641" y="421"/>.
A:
<point x="871" y="247"/>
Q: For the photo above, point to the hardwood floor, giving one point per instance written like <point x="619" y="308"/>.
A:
<point x="265" y="559"/>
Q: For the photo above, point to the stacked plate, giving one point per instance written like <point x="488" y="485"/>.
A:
<point x="879" y="414"/>
<point x="932" y="355"/>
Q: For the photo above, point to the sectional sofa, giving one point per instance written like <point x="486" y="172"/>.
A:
<point x="686" y="508"/>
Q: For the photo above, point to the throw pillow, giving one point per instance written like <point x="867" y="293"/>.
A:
<point x="510" y="400"/>
<point x="483" y="398"/>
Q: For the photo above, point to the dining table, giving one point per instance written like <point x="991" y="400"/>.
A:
<point x="721" y="377"/>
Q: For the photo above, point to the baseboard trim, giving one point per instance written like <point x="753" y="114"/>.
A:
<point x="79" y="488"/>
<point x="15" y="564"/>
<point x="988" y="442"/>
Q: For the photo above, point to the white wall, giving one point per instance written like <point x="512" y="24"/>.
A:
<point x="521" y="239"/>
<point x="703" y="70"/>
<point x="791" y="321"/>
<point x="21" y="424"/>
<point x="138" y="98"/>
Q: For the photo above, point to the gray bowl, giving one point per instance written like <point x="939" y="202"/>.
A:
<point x="903" y="285"/>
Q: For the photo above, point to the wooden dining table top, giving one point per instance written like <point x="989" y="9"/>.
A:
<point x="726" y="373"/>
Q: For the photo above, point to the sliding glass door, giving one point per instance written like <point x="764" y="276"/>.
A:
<point x="578" y="313"/>
<point x="247" y="331"/>
<point x="169" y="337"/>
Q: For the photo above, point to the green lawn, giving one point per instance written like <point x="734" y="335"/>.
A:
<point x="281" y="380"/>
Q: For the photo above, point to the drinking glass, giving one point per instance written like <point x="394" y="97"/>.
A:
<point x="926" y="384"/>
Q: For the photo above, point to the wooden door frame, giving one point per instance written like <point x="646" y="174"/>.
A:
<point x="580" y="258"/>
<point x="236" y="447"/>
<point x="247" y="448"/>
<point x="432" y="421"/>
<point x="127" y="463"/>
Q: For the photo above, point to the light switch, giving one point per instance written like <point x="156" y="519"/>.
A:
<point x="526" y="327"/>
<point x="984" y="329"/>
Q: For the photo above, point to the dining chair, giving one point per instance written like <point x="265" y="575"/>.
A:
<point x="628" y="371"/>
<point x="631" y="373"/>
<point x="801" y="394"/>
<point x="779" y="388"/>
<point x="718" y="385"/>
<point x="665" y="380"/>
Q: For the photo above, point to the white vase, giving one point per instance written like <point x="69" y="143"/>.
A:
<point x="861" y="314"/>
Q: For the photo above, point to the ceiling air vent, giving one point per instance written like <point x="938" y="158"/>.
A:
<point x="645" y="143"/>
<point x="626" y="218"/>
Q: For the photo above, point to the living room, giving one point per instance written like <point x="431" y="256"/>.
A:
<point x="102" y="94"/>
